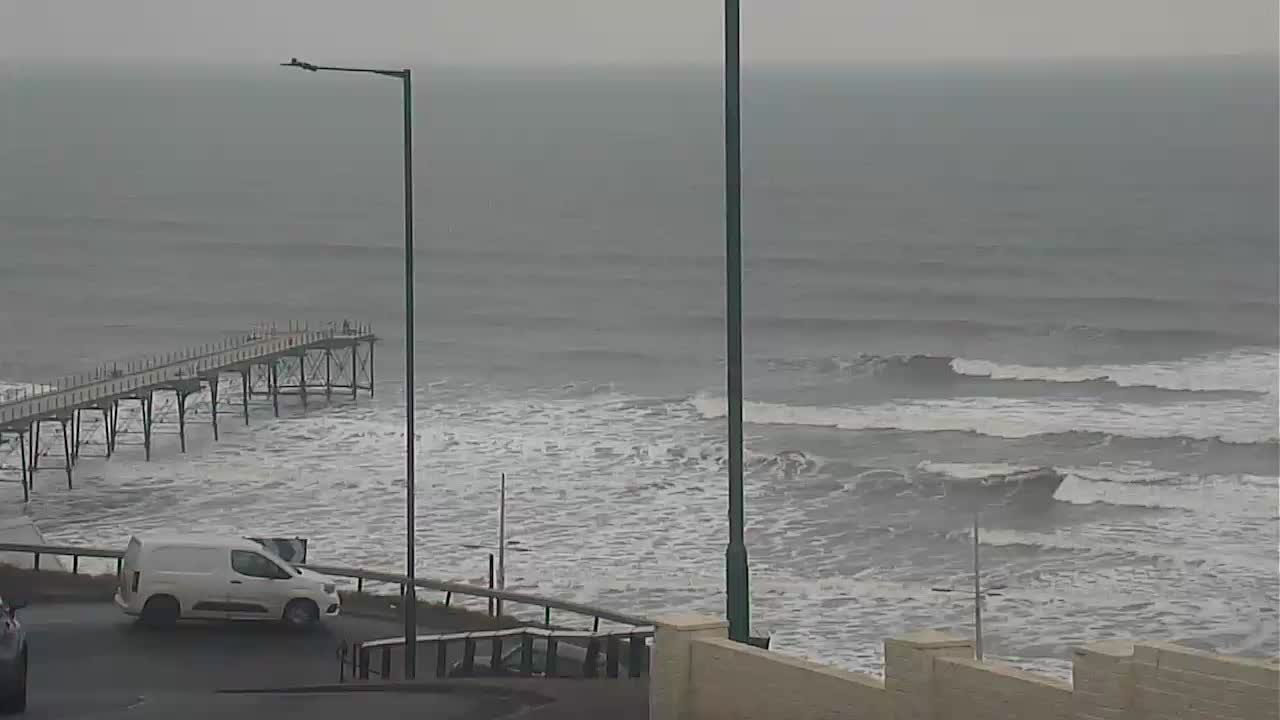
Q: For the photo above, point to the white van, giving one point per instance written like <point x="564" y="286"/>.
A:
<point x="165" y="578"/>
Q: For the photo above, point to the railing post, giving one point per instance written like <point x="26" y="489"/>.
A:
<point x="36" y="562"/>
<point x="359" y="584"/>
<point x="611" y="650"/>
<point x="589" y="662"/>
<point x="553" y="659"/>
<point x="75" y="564"/>
<point x="637" y="660"/>
<point x="442" y="658"/>
<point x="495" y="654"/>
<point x="468" y="657"/>
<point x="362" y="655"/>
<point x="386" y="662"/>
<point x="546" y="621"/>
<point x="526" y="655"/>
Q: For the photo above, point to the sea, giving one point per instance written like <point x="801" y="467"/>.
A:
<point x="1041" y="296"/>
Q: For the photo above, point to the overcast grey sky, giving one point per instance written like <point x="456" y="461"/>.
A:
<point x="644" y="31"/>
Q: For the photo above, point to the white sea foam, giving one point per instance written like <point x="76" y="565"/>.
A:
<point x="1237" y="421"/>
<point x="973" y="471"/>
<point x="620" y="502"/>
<point x="1238" y="496"/>
<point x="1247" y="369"/>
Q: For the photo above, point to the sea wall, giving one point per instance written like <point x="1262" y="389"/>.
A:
<point x="698" y="674"/>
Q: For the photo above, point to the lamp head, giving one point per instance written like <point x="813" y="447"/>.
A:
<point x="295" y="62"/>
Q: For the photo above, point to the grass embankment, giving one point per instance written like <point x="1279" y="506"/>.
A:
<point x="59" y="586"/>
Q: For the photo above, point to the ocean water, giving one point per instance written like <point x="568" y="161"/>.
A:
<point x="954" y="277"/>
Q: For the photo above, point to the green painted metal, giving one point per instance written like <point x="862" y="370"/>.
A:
<point x="737" y="590"/>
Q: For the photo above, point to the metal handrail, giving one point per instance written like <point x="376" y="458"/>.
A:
<point x="636" y="639"/>
<point x="478" y="591"/>
<point x="548" y="604"/>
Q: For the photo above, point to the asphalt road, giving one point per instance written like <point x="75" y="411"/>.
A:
<point x="90" y="661"/>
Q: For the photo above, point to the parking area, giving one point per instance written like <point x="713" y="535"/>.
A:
<point x="90" y="661"/>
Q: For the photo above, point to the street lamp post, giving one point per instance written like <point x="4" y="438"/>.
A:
<point x="737" y="594"/>
<point x="410" y="596"/>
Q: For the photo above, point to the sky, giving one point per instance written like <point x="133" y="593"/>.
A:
<point x="635" y="32"/>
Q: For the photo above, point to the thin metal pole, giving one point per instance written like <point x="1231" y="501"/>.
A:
<point x="410" y="612"/>
<point x="502" y="533"/>
<point x="977" y="594"/>
<point x="736" y="573"/>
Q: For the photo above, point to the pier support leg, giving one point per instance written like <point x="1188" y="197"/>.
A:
<point x="328" y="373"/>
<point x="35" y="450"/>
<point x="302" y="378"/>
<point x="75" y="446"/>
<point x="355" y="369"/>
<point x="114" y="427"/>
<point x="370" y="368"/>
<point x="66" y="448"/>
<point x="182" y="420"/>
<point x="106" y="428"/>
<point x="146" y="425"/>
<point x="213" y="404"/>
<point x="273" y="380"/>
<point x="244" y="394"/>
<point x="26" y="472"/>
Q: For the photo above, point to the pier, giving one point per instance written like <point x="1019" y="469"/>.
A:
<point x="296" y="362"/>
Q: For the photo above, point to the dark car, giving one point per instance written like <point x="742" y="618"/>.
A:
<point x="13" y="658"/>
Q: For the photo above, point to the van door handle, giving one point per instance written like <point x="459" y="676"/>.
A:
<point x="237" y="582"/>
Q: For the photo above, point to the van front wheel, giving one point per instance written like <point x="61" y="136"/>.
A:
<point x="160" y="611"/>
<point x="301" y="613"/>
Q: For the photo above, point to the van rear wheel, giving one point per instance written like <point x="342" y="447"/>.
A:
<point x="301" y="613"/>
<point x="160" y="611"/>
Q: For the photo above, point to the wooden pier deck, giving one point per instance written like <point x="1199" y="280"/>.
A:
<point x="297" y="362"/>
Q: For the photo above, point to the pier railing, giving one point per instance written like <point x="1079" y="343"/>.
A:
<point x="364" y="577"/>
<point x="114" y="379"/>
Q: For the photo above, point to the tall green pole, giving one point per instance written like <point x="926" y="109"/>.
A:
<point x="410" y="594"/>
<point x="410" y="590"/>
<point x="736" y="576"/>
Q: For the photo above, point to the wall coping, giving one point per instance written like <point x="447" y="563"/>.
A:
<point x="1009" y="671"/>
<point x="690" y="622"/>
<point x="930" y="640"/>
<point x="868" y="681"/>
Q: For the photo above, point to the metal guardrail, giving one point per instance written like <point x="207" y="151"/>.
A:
<point x="612" y="643"/>
<point x="362" y="576"/>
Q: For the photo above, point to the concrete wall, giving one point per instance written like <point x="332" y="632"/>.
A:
<point x="699" y="675"/>
<point x="731" y="681"/>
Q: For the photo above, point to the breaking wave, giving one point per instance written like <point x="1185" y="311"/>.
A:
<point x="1240" y="422"/>
<point x="1244" y="370"/>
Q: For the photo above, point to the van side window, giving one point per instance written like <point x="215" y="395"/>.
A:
<point x="254" y="565"/>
